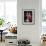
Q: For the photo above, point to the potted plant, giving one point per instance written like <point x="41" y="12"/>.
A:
<point x="1" y="22"/>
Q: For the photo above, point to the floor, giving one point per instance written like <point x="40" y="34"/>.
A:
<point x="2" y="43"/>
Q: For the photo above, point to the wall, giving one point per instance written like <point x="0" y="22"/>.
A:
<point x="31" y="32"/>
<point x="8" y="11"/>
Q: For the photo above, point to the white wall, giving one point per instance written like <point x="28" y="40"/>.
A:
<point x="31" y="32"/>
<point x="8" y="11"/>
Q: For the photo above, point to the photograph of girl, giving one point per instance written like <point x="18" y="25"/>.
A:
<point x="27" y="16"/>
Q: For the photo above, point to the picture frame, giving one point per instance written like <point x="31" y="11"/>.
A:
<point x="28" y="16"/>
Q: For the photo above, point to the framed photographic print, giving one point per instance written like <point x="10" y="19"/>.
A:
<point x="28" y="16"/>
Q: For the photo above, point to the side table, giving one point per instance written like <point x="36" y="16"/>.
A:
<point x="1" y="34"/>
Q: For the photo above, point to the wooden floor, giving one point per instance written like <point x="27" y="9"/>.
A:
<point x="2" y="43"/>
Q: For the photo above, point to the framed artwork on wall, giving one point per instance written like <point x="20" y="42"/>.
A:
<point x="28" y="16"/>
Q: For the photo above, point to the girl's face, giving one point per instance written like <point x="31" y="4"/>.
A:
<point x="27" y="14"/>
